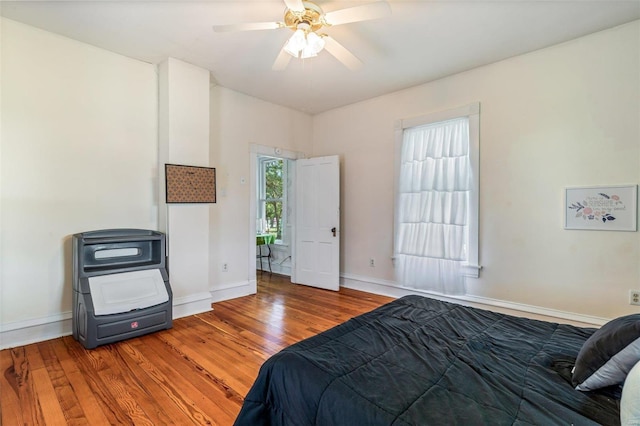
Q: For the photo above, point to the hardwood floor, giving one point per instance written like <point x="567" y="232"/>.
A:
<point x="198" y="372"/>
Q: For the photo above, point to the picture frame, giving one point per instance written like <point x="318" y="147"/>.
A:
<point x="189" y="184"/>
<point x="601" y="208"/>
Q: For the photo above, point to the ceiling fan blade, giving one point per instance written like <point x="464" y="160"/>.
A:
<point x="295" y="5"/>
<point x="282" y="60"/>
<point x="341" y="53"/>
<point x="364" y="12"/>
<point x="250" y="26"/>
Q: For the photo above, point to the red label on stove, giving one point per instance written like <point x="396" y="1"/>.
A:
<point x="134" y="324"/>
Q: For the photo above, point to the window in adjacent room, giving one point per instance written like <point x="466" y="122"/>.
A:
<point x="436" y="230"/>
<point x="272" y="196"/>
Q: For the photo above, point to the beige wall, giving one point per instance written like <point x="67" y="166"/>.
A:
<point x="563" y="116"/>
<point x="237" y="122"/>
<point x="79" y="152"/>
<point x="183" y="138"/>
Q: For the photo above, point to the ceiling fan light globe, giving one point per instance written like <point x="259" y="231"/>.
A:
<point x="296" y="43"/>
<point x="291" y="51"/>
<point x="308" y="52"/>
<point x="315" y="42"/>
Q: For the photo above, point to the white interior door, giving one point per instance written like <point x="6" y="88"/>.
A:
<point x="317" y="241"/>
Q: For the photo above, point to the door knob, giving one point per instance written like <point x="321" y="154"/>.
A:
<point x="334" y="231"/>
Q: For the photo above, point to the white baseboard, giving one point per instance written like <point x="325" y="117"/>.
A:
<point x="191" y="305"/>
<point x="389" y="288"/>
<point x="36" y="330"/>
<point x="233" y="290"/>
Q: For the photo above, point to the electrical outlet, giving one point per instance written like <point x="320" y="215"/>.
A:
<point x="372" y="262"/>
<point x="634" y="297"/>
<point x="225" y="267"/>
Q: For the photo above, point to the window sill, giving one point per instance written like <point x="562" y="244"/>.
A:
<point x="472" y="271"/>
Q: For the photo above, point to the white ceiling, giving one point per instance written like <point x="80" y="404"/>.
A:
<point x="419" y="42"/>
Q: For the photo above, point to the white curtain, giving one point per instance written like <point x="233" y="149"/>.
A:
<point x="434" y="185"/>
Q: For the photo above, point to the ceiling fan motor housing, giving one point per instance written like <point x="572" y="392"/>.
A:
<point x="311" y="16"/>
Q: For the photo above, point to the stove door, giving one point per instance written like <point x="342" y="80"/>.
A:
<point x="127" y="291"/>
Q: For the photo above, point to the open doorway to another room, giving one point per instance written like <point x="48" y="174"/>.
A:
<point x="272" y="206"/>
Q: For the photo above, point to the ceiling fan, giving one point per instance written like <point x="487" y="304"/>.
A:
<point x="305" y="19"/>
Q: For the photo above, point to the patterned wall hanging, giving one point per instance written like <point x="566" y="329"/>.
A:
<point x="190" y="184"/>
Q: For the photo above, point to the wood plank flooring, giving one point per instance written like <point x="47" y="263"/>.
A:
<point x="196" y="373"/>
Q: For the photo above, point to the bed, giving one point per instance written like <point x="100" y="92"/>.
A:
<point x="420" y="361"/>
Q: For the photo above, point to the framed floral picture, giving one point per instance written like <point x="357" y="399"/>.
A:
<point x="602" y="208"/>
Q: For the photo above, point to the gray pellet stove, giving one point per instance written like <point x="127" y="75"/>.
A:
<point x="120" y="285"/>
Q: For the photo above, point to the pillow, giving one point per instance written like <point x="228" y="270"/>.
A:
<point x="608" y="355"/>
<point x="629" y="406"/>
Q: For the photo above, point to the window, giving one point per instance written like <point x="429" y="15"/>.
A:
<point x="272" y="196"/>
<point x="436" y="230"/>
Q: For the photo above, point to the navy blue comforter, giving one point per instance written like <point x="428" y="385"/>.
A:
<point x="419" y="361"/>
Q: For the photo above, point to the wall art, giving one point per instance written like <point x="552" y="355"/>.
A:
<point x="603" y="208"/>
<point x="190" y="184"/>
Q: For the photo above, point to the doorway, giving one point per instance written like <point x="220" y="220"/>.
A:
<point x="272" y="211"/>
<point x="274" y="218"/>
<point x="295" y="212"/>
